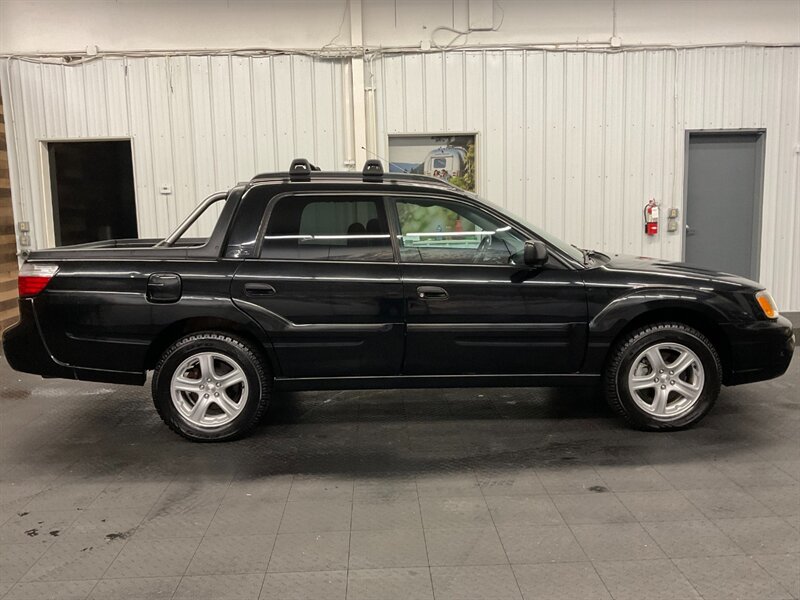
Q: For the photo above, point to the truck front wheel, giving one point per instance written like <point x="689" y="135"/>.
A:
<point x="211" y="387"/>
<point x="663" y="376"/>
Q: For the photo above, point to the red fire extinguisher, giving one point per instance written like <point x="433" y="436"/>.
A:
<point x="651" y="217"/>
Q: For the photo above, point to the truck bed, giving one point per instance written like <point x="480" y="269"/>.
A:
<point x="119" y="248"/>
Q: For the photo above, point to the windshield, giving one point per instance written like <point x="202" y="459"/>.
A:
<point x="548" y="238"/>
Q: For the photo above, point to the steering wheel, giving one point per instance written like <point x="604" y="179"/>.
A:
<point x="482" y="248"/>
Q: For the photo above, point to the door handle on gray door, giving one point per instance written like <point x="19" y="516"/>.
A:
<point x="689" y="230"/>
<point x="259" y="289"/>
<point x="432" y="292"/>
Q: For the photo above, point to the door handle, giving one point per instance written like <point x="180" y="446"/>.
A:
<point x="259" y="289"/>
<point x="432" y="292"/>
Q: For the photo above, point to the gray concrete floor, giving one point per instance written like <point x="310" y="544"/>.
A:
<point x="446" y="494"/>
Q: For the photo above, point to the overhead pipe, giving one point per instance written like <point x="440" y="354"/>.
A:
<point x="349" y="138"/>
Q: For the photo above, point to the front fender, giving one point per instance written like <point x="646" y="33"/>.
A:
<point x="612" y="315"/>
<point x="616" y="314"/>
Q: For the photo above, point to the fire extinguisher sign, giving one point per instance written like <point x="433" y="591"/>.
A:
<point x="651" y="217"/>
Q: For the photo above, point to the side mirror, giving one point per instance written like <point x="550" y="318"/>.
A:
<point x="535" y="253"/>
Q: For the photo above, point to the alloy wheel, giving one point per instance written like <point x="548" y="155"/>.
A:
<point x="209" y="389"/>
<point x="666" y="380"/>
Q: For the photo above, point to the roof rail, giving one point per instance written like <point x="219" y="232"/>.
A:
<point x="300" y="169"/>
<point x="373" y="169"/>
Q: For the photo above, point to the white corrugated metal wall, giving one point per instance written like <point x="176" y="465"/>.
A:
<point x="575" y="141"/>
<point x="197" y="124"/>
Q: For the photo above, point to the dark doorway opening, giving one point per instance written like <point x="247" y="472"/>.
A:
<point x="92" y="190"/>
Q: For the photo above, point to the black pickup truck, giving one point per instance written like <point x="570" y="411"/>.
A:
<point x="318" y="280"/>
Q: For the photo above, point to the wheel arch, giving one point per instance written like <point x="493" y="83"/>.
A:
<point x="697" y="318"/>
<point x="179" y="329"/>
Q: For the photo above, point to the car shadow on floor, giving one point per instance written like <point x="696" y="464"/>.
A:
<point x="385" y="433"/>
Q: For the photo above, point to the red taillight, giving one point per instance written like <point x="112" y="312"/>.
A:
<point x="33" y="278"/>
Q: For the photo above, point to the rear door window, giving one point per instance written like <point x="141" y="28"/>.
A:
<point x="327" y="228"/>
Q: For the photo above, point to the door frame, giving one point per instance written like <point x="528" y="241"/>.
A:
<point x="758" y="204"/>
<point x="46" y="184"/>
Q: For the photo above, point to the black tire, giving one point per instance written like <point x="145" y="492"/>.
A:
<point x="253" y="366"/>
<point x="619" y="396"/>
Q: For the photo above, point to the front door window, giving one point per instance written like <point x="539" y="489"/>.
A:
<point x="435" y="231"/>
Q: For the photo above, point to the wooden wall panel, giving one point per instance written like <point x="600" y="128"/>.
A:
<point x="8" y="242"/>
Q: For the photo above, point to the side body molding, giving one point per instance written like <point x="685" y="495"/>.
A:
<point x="273" y="322"/>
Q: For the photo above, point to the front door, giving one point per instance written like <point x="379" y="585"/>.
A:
<point x="326" y="287"/>
<point x="469" y="310"/>
<point x="723" y="201"/>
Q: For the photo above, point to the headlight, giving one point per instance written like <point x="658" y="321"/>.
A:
<point x="767" y="304"/>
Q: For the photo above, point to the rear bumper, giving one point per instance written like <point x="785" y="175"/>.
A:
<point x="26" y="352"/>
<point x="24" y="349"/>
<point x="759" y="350"/>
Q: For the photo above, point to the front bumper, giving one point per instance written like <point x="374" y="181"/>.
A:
<point x="759" y="350"/>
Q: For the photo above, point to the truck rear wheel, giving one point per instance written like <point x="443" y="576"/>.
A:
<point x="211" y="387"/>
<point x="663" y="376"/>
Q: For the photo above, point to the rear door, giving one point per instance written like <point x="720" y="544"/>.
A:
<point x="326" y="287"/>
<point x="469" y="309"/>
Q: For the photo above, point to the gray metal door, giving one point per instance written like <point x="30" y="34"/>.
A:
<point x="723" y="208"/>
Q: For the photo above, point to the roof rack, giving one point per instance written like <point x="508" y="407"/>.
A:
<point x="373" y="169"/>
<point x="300" y="169"/>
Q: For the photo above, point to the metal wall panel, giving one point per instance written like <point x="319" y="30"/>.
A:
<point x="579" y="141"/>
<point x="197" y="124"/>
<point x="574" y="141"/>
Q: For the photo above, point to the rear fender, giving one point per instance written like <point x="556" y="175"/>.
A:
<point x="229" y="320"/>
